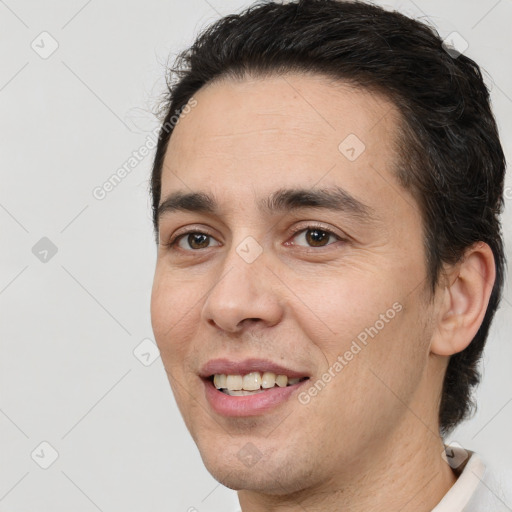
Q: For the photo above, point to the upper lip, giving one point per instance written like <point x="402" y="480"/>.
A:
<point x="245" y="366"/>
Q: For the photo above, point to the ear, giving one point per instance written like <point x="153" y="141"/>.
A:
<point x="464" y="298"/>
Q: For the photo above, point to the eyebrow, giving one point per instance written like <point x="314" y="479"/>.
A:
<point x="280" y="201"/>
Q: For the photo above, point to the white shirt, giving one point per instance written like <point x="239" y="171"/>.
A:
<point x="476" y="489"/>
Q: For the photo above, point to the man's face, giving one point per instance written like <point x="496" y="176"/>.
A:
<point x="292" y="290"/>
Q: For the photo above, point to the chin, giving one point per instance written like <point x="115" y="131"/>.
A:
<point x="266" y="475"/>
<point x="244" y="480"/>
<point x="254" y="479"/>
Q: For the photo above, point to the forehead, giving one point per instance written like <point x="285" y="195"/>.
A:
<point x="265" y="133"/>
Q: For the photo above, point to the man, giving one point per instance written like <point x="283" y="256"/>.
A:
<point x="329" y="257"/>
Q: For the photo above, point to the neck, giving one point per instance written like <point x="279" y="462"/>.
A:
<point x="406" y="473"/>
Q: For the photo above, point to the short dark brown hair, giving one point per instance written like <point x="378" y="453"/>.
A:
<point x="451" y="158"/>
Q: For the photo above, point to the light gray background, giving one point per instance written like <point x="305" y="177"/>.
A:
<point x="69" y="326"/>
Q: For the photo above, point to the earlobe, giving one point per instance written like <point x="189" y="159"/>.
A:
<point x="465" y="296"/>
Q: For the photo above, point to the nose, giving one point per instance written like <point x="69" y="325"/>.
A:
<point x="245" y="293"/>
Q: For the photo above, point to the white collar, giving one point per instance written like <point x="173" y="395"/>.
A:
<point x="467" y="483"/>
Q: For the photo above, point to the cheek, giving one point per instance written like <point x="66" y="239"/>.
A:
<point x="336" y="308"/>
<point x="172" y="318"/>
<point x="173" y="315"/>
<point x="363" y="388"/>
<point x="365" y="327"/>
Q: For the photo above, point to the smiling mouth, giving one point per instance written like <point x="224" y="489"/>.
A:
<point x="252" y="383"/>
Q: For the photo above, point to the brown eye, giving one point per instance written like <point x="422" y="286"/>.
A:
<point x="195" y="240"/>
<point x="198" y="240"/>
<point x="316" y="237"/>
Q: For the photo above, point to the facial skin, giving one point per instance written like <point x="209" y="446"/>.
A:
<point x="369" y="439"/>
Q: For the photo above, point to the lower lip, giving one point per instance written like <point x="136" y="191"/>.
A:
<point x="248" y="405"/>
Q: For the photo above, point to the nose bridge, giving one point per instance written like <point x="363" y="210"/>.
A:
<point x="242" y="289"/>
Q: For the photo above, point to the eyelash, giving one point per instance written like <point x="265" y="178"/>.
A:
<point x="173" y="241"/>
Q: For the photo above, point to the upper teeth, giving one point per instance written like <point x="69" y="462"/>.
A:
<point x="252" y="381"/>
